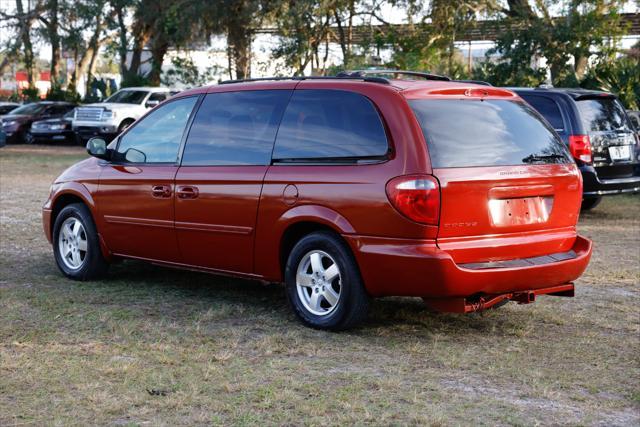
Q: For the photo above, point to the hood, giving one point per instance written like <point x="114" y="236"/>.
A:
<point x="17" y="117"/>
<point x="114" y="105"/>
<point x="87" y="168"/>
<point x="53" y="121"/>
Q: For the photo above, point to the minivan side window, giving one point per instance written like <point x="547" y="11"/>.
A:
<point x="156" y="138"/>
<point x="235" y="128"/>
<point x="330" y="125"/>
<point x="548" y="108"/>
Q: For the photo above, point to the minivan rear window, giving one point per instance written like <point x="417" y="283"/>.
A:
<point x="490" y="132"/>
<point x="602" y="114"/>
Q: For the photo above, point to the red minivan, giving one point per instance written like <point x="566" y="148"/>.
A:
<point x="344" y="188"/>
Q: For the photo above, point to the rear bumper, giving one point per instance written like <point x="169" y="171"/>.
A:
<point x="420" y="268"/>
<point x="593" y="186"/>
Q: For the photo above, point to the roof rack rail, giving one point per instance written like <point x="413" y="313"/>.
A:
<point x="338" y="77"/>
<point x="362" y="73"/>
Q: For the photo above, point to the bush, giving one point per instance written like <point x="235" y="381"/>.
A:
<point x="621" y="77"/>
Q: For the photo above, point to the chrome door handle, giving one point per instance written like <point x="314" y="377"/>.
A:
<point x="161" y="191"/>
<point x="187" y="192"/>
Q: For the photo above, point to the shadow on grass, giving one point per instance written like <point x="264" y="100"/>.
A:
<point x="180" y="296"/>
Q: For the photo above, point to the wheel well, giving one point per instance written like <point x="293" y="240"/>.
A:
<point x="128" y="120"/>
<point x="296" y="232"/>
<point x="60" y="203"/>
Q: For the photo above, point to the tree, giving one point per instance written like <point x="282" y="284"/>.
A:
<point x="22" y="46"/>
<point x="584" y="29"/>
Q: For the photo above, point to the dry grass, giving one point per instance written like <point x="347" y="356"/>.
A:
<point x="152" y="346"/>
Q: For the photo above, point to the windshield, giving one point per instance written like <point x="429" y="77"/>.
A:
<point x="29" y="109"/>
<point x="128" y="97"/>
<point x="602" y="114"/>
<point x="463" y="133"/>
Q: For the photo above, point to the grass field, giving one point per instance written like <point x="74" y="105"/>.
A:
<point x="153" y="346"/>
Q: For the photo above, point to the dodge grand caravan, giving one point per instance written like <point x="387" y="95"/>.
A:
<point x="342" y="188"/>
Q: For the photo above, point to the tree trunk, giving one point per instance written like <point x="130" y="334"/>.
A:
<point x="239" y="39"/>
<point x="159" y="47"/>
<point x="87" y="60"/>
<point x="122" y="48"/>
<point x="342" y="39"/>
<point x="25" y="35"/>
<point x="54" y="39"/>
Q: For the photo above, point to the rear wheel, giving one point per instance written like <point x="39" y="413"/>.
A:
<point x="590" y="203"/>
<point x="75" y="244"/>
<point x="323" y="283"/>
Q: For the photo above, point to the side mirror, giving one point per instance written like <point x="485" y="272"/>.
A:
<point x="152" y="103"/>
<point x="133" y="155"/>
<point x="97" y="147"/>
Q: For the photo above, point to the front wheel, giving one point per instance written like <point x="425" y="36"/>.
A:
<point x="75" y="244"/>
<point x="323" y="283"/>
<point x="590" y="203"/>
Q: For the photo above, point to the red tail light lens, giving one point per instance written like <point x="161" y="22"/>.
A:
<point x="580" y="147"/>
<point x="417" y="197"/>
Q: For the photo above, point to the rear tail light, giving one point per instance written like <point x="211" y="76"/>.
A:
<point x="580" y="147"/>
<point x="417" y="197"/>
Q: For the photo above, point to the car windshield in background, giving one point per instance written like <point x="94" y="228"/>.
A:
<point x="128" y="97"/>
<point x="463" y="133"/>
<point x="602" y="114"/>
<point x="29" y="109"/>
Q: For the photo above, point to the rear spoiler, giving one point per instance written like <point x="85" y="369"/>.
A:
<point x="605" y="95"/>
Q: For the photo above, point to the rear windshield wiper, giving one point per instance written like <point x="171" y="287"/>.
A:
<point x="542" y="157"/>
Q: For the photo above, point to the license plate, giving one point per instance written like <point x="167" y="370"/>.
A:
<point x="622" y="152"/>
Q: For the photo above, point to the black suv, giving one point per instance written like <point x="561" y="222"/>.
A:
<point x="599" y="134"/>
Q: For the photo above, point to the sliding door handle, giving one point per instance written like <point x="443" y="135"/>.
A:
<point x="187" y="192"/>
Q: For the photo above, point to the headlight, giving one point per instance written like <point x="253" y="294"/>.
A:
<point x="56" y="127"/>
<point x="9" y="123"/>
<point x="108" y="115"/>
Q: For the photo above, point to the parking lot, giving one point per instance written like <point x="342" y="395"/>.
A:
<point x="155" y="346"/>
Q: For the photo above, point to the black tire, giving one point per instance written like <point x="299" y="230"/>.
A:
<point x="125" y="124"/>
<point x="28" y="138"/>
<point x="590" y="203"/>
<point x="93" y="265"/>
<point x="353" y="303"/>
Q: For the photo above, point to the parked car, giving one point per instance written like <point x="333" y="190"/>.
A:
<point x="3" y="138"/>
<point x="343" y="188"/>
<point x="599" y="134"/>
<point x="119" y="111"/>
<point x="52" y="130"/>
<point x="17" y="124"/>
<point x="634" y="116"/>
<point x="7" y="107"/>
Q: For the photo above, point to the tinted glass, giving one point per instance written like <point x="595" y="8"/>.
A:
<point x="158" y="135"/>
<point x="330" y="124"/>
<point x="128" y="96"/>
<point x="6" y="109"/>
<point x="158" y="96"/>
<point x="548" y="108"/>
<point x="602" y="114"/>
<point x="486" y="133"/>
<point x="235" y="128"/>
<point x="30" y="109"/>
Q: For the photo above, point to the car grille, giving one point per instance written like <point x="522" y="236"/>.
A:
<point x="89" y="113"/>
<point x="39" y="126"/>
